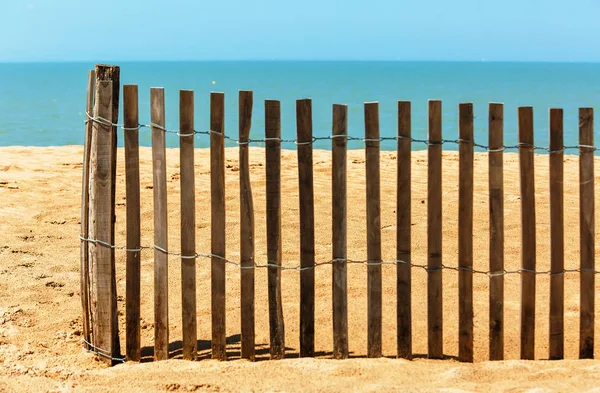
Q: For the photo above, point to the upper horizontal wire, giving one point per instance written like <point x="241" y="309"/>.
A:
<point x="314" y="139"/>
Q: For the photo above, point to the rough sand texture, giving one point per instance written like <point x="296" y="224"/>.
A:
<point x="40" y="323"/>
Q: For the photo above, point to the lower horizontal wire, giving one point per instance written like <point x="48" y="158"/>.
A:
<point x="273" y="264"/>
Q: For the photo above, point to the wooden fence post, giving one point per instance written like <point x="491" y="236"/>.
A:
<point x="101" y="225"/>
<point x="435" y="340"/>
<point x="85" y="201"/>
<point x="528" y="242"/>
<point x="217" y="237"/>
<point x="465" y="234"/>
<point x="132" y="189"/>
<point x="496" y="208"/>
<point x="273" y="189"/>
<point x="112" y="73"/>
<point x="374" y="297"/>
<point x="161" y="271"/>
<point x="246" y="228"/>
<point x="307" y="227"/>
<point x="188" y="224"/>
<point x="557" y="246"/>
<point x="339" y="232"/>
<point x="587" y="233"/>
<point x="403" y="234"/>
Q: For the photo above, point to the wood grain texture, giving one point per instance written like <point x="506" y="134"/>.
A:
<point x="217" y="239"/>
<point x="374" y="297"/>
<point x="435" y="341"/>
<point x="84" y="289"/>
<point x="339" y="232"/>
<point x="273" y="209"/>
<point x="132" y="195"/>
<point x="101" y="225"/>
<point x="465" y="233"/>
<point x="188" y="224"/>
<point x="246" y="228"/>
<point x="113" y="73"/>
<point x="496" y="208"/>
<point x="307" y="227"/>
<point x="159" y="172"/>
<point x="557" y="239"/>
<point x="586" y="233"/>
<point x="528" y="243"/>
<point x="403" y="233"/>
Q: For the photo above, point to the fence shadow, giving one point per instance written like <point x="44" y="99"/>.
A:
<point x="425" y="356"/>
<point x="261" y="352"/>
<point x="203" y="348"/>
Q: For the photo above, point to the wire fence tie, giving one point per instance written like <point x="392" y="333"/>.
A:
<point x="101" y="352"/>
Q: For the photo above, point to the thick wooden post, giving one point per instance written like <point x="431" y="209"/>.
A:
<point x="246" y="228"/>
<point x="188" y="224"/>
<point x="557" y="242"/>
<point x="101" y="225"/>
<point x="528" y="243"/>
<point x="465" y="234"/>
<point x="496" y="208"/>
<point x="339" y="233"/>
<point x="161" y="271"/>
<point x="435" y="340"/>
<point x="273" y="189"/>
<point x="374" y="298"/>
<point x="217" y="238"/>
<point x="85" y="202"/>
<point x="112" y="73"/>
<point x="307" y="227"/>
<point x="403" y="223"/>
<point x="132" y="195"/>
<point x="586" y="233"/>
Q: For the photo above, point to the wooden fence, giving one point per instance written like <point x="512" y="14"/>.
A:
<point x="98" y="286"/>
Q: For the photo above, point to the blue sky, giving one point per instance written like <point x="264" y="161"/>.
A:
<point x="120" y="30"/>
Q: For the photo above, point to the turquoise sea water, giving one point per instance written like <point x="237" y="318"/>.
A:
<point x="43" y="104"/>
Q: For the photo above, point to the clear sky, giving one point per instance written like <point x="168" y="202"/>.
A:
<point x="119" y="30"/>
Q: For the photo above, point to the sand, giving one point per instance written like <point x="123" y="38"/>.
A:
<point x="40" y="309"/>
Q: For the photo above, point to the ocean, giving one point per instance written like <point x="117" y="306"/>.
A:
<point x="43" y="104"/>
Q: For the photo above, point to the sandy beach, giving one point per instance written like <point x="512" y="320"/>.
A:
<point x="40" y="309"/>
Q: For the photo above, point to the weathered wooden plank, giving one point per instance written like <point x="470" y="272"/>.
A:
<point x="557" y="238"/>
<point x="101" y="225"/>
<point x="85" y="202"/>
<point x="159" y="171"/>
<point x="496" y="207"/>
<point x="465" y="234"/>
<point x="188" y="224"/>
<point x="132" y="195"/>
<point x="528" y="243"/>
<point x="307" y="227"/>
<point x="434" y="233"/>
<point x="403" y="234"/>
<point x="374" y="297"/>
<point x="217" y="238"/>
<point x="586" y="233"/>
<point x="246" y="228"/>
<point x="339" y="232"/>
<point x="112" y="73"/>
<point x="273" y="209"/>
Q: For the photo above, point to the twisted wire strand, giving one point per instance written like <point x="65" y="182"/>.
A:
<point x="101" y="352"/>
<point x="366" y="262"/>
<point x="315" y="139"/>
